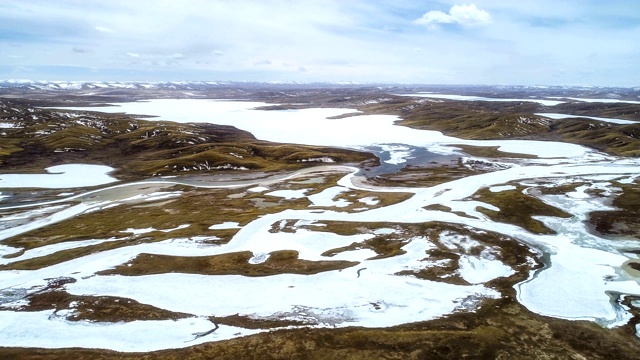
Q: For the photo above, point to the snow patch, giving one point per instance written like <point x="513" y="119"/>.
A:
<point x="288" y="194"/>
<point x="502" y="188"/>
<point x="225" y="225"/>
<point x="478" y="270"/>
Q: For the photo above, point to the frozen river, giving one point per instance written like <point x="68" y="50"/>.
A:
<point x="581" y="269"/>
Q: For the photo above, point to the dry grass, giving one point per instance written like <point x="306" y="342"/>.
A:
<point x="517" y="208"/>
<point x="279" y="262"/>
<point x="621" y="222"/>
<point x="97" y="308"/>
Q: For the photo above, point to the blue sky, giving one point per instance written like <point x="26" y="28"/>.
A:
<point x="589" y="42"/>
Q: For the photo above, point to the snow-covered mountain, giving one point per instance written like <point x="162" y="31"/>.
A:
<point x="512" y="91"/>
<point x="89" y="85"/>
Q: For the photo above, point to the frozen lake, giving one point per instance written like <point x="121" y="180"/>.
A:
<point x="544" y="102"/>
<point x="60" y="177"/>
<point x="568" y="116"/>
<point x="313" y="126"/>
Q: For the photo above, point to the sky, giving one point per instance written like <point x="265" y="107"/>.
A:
<point x="532" y="42"/>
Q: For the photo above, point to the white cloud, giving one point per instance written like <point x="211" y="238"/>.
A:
<point x="104" y="29"/>
<point x="335" y="40"/>
<point x="467" y="15"/>
<point x="80" y="50"/>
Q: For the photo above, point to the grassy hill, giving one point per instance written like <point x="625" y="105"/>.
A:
<point x="481" y="120"/>
<point x="33" y="138"/>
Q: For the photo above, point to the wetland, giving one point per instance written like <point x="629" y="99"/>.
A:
<point x="418" y="226"/>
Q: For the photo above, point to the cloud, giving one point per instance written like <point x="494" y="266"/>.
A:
<point x="156" y="60"/>
<point x="104" y="29"/>
<point x="262" y="62"/>
<point x="80" y="50"/>
<point x="466" y="15"/>
<point x="335" y="40"/>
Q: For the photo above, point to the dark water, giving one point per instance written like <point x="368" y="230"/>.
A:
<point x="419" y="157"/>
